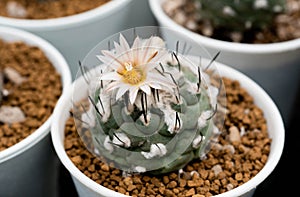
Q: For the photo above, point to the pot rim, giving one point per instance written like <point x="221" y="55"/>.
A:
<point x="165" y="20"/>
<point x="261" y="99"/>
<point x="76" y="20"/>
<point x="59" y="62"/>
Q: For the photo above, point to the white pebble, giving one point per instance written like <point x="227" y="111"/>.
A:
<point x="15" y="9"/>
<point x="11" y="115"/>
<point x="217" y="169"/>
<point x="13" y="76"/>
<point x="234" y="134"/>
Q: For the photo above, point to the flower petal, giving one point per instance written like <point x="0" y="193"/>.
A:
<point x="136" y="48"/>
<point x="121" y="91"/>
<point x="112" y="56"/>
<point x="162" y="55"/>
<point x="155" y="85"/>
<point x="119" y="49"/>
<point x="148" y="67"/>
<point x="159" y="79"/>
<point x="123" y="43"/>
<point x="133" y="93"/>
<point x="110" y="76"/>
<point x="146" y="50"/>
<point x="113" y="85"/>
<point x="109" y="62"/>
<point x="146" y="89"/>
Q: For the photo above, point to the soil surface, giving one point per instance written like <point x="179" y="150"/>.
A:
<point x="285" y="27"/>
<point x="36" y="94"/>
<point x="45" y="9"/>
<point x="239" y="154"/>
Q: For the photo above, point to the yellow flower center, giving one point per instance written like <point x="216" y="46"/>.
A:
<point x="132" y="74"/>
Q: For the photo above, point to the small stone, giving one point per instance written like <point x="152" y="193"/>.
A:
<point x="169" y="193"/>
<point x="11" y="115"/>
<point x="229" y="186"/>
<point x="166" y="179"/>
<point x="198" y="195"/>
<point x="76" y="160"/>
<point x="172" y="5"/>
<point x="121" y="190"/>
<point x="195" y="183"/>
<point x="190" y="192"/>
<point x="13" y="76"/>
<point x="234" y="134"/>
<point x="156" y="182"/>
<point x="172" y="185"/>
<point x="217" y="169"/>
<point x="161" y="190"/>
<point x="238" y="176"/>
<point x="128" y="181"/>
<point x="131" y="187"/>
<point x="105" y="167"/>
<point x="230" y="148"/>
<point x="182" y="183"/>
<point x="15" y="9"/>
<point x="180" y="17"/>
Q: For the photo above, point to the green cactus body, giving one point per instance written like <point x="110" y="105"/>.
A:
<point x="158" y="132"/>
<point x="240" y="15"/>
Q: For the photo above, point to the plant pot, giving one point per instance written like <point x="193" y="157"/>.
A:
<point x="273" y="66"/>
<point x="87" y="187"/>
<point x="67" y="33"/>
<point x="30" y="167"/>
<point x="140" y="14"/>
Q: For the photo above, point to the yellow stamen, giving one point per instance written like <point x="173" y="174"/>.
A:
<point x="132" y="75"/>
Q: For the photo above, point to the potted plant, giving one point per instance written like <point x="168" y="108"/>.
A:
<point x="28" y="164"/>
<point x="272" y="63"/>
<point x="147" y="110"/>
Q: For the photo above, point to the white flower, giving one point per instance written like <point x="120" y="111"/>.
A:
<point x="133" y="69"/>
<point x="158" y="149"/>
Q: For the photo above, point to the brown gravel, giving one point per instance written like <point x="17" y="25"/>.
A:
<point x="36" y="96"/>
<point x="286" y="26"/>
<point x="235" y="159"/>
<point x="43" y="9"/>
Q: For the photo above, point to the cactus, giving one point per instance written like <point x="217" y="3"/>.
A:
<point x="240" y="15"/>
<point x="150" y="110"/>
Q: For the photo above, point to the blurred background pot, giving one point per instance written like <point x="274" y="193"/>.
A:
<point x="75" y="35"/>
<point x="273" y="66"/>
<point x="30" y="167"/>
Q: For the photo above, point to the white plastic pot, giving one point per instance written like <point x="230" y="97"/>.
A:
<point x="30" y="167"/>
<point x="274" y="66"/>
<point x="77" y="34"/>
<point x="87" y="187"/>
